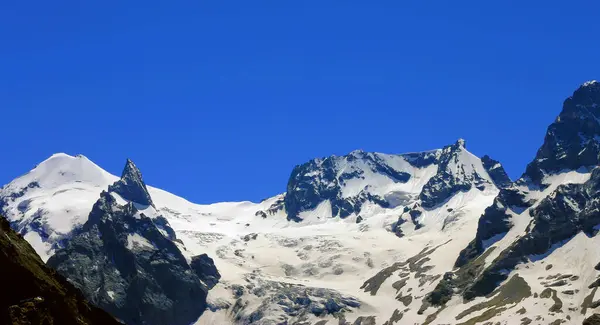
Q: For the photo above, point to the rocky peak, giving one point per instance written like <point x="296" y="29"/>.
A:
<point x="572" y="141"/>
<point x="496" y="172"/>
<point x="343" y="180"/>
<point x="460" y="143"/>
<point x="458" y="170"/>
<point x="131" y="186"/>
<point x="347" y="182"/>
<point x="125" y="260"/>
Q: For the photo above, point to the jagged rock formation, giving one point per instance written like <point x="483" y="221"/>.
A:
<point x="557" y="214"/>
<point x="494" y="222"/>
<point x="125" y="261"/>
<point x="35" y="294"/>
<point x="571" y="141"/>
<point x="205" y="269"/>
<point x="131" y="186"/>
<point x="344" y="181"/>
<point x="430" y="231"/>
<point x="571" y="208"/>
<point x="323" y="179"/>
<point x="496" y="172"/>
<point x="454" y="174"/>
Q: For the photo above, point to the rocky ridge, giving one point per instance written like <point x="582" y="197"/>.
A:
<point x="126" y="260"/>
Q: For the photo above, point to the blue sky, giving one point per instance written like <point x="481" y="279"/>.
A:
<point x="218" y="100"/>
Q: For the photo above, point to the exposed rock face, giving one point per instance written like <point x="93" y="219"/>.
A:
<point x="131" y="186"/>
<point x="328" y="179"/>
<point x="592" y="320"/>
<point x="558" y="217"/>
<point x="125" y="261"/>
<point x="494" y="222"/>
<point x="454" y="174"/>
<point x="33" y="293"/>
<point x="322" y="179"/>
<point x="571" y="144"/>
<point x="206" y="270"/>
<point x="496" y="172"/>
<point x="571" y="141"/>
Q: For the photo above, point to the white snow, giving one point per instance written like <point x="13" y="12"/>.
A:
<point x="320" y="251"/>
<point x="136" y="241"/>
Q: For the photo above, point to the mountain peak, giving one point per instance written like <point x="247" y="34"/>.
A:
<point x="461" y="143"/>
<point x="590" y="83"/>
<point x="131" y="186"/>
<point x="571" y="142"/>
<point x="131" y="170"/>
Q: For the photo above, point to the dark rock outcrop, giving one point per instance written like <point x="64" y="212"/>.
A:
<point x="453" y="176"/>
<point x="494" y="222"/>
<point x="570" y="209"/>
<point x="496" y="172"/>
<point x="205" y="269"/>
<point x="131" y="186"/>
<point x="127" y="262"/>
<point x="324" y="179"/>
<point x="592" y="320"/>
<point x="321" y="179"/>
<point x="571" y="141"/>
<point x="35" y="294"/>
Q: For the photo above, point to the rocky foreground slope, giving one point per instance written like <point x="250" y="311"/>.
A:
<point x="34" y="294"/>
<point x="434" y="237"/>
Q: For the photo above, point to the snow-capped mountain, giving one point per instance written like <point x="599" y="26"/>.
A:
<point x="435" y="237"/>
<point x="125" y="259"/>
<point x="307" y="266"/>
<point x="347" y="183"/>
<point x="540" y="232"/>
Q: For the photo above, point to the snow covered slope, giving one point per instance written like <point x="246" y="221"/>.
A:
<point x="276" y="267"/>
<point x="437" y="237"/>
<point x="534" y="257"/>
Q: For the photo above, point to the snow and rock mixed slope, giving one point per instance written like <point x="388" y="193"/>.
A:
<point x="436" y="237"/>
<point x="301" y="255"/>
<point x="125" y="259"/>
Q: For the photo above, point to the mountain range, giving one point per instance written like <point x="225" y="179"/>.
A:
<point x="433" y="237"/>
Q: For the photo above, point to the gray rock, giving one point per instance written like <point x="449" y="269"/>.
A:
<point x="570" y="209"/>
<point x="205" y="269"/>
<point x="131" y="186"/>
<point x="571" y="141"/>
<point x="127" y="263"/>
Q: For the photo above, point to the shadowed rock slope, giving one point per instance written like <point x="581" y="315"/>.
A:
<point x="34" y="294"/>
<point x="125" y="260"/>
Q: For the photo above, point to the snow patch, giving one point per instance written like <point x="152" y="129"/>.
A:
<point x="136" y="241"/>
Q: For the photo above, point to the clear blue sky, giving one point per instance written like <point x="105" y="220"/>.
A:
<point x="218" y="100"/>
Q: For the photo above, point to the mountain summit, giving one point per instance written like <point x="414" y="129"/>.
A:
<point x="571" y="142"/>
<point x="350" y="182"/>
<point x="126" y="260"/>
<point x="131" y="186"/>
